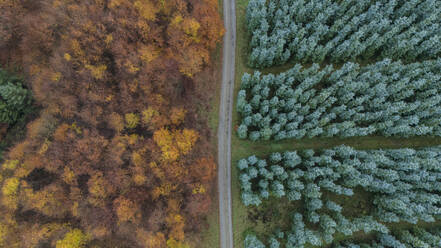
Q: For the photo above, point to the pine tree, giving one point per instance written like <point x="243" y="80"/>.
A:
<point x="15" y="100"/>
<point x="386" y="98"/>
<point x="342" y="31"/>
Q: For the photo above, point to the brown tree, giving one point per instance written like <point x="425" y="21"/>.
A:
<point x="118" y="148"/>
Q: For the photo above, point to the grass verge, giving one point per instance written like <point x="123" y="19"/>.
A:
<point x="210" y="237"/>
<point x="240" y="216"/>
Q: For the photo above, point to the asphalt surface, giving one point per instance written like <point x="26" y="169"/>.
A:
<point x="224" y="128"/>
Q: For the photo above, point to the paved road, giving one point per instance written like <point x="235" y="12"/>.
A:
<point x="224" y="129"/>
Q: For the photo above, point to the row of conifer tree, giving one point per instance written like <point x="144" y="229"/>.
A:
<point x="339" y="31"/>
<point x="404" y="185"/>
<point x="386" y="98"/>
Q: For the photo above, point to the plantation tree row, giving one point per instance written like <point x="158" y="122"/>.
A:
<point x="414" y="238"/>
<point x="404" y="185"/>
<point x="386" y="98"/>
<point x="338" y="31"/>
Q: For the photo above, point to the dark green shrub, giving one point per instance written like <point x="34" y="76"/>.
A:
<point x="15" y="100"/>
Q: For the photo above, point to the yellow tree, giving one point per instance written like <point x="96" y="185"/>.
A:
<point x="175" y="143"/>
<point x="172" y="243"/>
<point x="132" y="120"/>
<point x="186" y="139"/>
<point x="73" y="239"/>
<point x="9" y="191"/>
<point x="164" y="139"/>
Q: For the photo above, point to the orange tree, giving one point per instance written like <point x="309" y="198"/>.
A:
<point x="118" y="151"/>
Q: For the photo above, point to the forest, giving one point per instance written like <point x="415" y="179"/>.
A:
<point x="341" y="31"/>
<point x="316" y="74"/>
<point x="386" y="98"/>
<point x="403" y="186"/>
<point x="102" y="140"/>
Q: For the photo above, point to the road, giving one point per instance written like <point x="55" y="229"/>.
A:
<point x="224" y="128"/>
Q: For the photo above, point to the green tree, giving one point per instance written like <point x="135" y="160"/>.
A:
<point x="15" y="100"/>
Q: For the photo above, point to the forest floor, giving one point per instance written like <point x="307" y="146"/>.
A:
<point x="210" y="236"/>
<point x="276" y="212"/>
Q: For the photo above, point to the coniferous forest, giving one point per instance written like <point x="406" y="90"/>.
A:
<point x="386" y="98"/>
<point x="321" y="70"/>
<point x="403" y="185"/>
<point x="341" y="31"/>
<point x="103" y="143"/>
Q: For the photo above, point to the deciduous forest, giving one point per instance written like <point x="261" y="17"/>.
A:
<point x="117" y="153"/>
